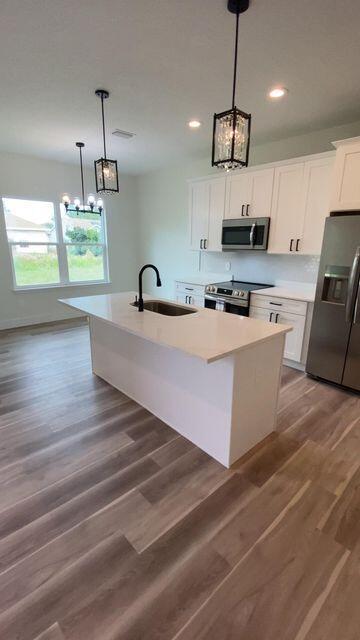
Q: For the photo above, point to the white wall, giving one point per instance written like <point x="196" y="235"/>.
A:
<point x="32" y="178"/>
<point x="163" y="209"/>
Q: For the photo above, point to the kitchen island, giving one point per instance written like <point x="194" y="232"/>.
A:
<point x="214" y="377"/>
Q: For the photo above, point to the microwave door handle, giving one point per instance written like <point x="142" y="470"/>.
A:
<point x="252" y="234"/>
<point x="352" y="287"/>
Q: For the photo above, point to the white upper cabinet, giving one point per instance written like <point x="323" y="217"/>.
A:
<point x="249" y="194"/>
<point x="216" y="213"/>
<point x="317" y="186"/>
<point x="301" y="204"/>
<point x="206" y="212"/>
<point x="286" y="211"/>
<point x="346" y="184"/>
<point x="199" y="213"/>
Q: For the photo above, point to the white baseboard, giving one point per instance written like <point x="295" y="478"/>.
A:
<point x="13" y="323"/>
<point x="295" y="365"/>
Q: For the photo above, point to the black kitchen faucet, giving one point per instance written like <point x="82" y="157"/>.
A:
<point x="140" y="304"/>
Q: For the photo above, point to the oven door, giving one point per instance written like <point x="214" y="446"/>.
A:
<point x="240" y="307"/>
<point x="250" y="233"/>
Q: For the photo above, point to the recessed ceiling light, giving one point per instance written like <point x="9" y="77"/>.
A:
<point x="277" y="92"/>
<point x="194" y="124"/>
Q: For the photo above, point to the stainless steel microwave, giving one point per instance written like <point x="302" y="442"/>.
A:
<point x="250" y="233"/>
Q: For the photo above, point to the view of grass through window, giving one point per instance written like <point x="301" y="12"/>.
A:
<point x="40" y="257"/>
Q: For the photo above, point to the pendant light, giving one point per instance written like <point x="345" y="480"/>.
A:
<point x="231" y="130"/>
<point x="78" y="206"/>
<point x="106" y="172"/>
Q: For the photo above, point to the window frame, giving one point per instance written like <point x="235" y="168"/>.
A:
<point x="61" y="248"/>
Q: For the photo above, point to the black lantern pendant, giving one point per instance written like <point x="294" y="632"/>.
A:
<point x="106" y="172"/>
<point x="78" y="206"/>
<point x="231" y="132"/>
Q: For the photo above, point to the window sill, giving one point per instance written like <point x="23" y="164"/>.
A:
<point x="46" y="287"/>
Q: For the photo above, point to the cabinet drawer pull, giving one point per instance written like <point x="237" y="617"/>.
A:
<point x="189" y="289"/>
<point x="291" y="244"/>
<point x="277" y="317"/>
<point x="201" y="244"/>
<point x="186" y="297"/>
<point x="247" y="209"/>
<point x="276" y="304"/>
<point x="271" y="315"/>
<point x="205" y="243"/>
<point x="297" y="244"/>
<point x="242" y="210"/>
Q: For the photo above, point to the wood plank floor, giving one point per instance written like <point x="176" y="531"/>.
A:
<point x="113" y="527"/>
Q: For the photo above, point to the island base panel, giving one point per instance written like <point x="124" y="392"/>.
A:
<point x="225" y="407"/>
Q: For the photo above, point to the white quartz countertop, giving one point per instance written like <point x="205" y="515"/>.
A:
<point x="206" y="334"/>
<point x="203" y="278"/>
<point x="306" y="294"/>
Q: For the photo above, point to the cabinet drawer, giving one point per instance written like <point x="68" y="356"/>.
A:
<point x="191" y="289"/>
<point x="279" y="304"/>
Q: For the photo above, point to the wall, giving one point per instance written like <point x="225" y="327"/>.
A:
<point x="163" y="209"/>
<point x="32" y="178"/>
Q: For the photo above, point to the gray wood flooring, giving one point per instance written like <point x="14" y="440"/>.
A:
<point x="113" y="527"/>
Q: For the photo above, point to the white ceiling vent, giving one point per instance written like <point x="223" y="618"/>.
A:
<point x="123" y="134"/>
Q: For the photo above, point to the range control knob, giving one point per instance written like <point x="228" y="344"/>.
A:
<point x="241" y="293"/>
<point x="236" y="293"/>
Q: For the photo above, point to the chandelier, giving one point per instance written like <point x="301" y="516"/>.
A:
<point x="106" y="172"/>
<point x="231" y="129"/>
<point x="78" y="206"/>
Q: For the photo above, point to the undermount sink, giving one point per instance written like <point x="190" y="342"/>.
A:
<point x="165" y="308"/>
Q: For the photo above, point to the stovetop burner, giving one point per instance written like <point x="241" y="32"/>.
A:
<point x="235" y="289"/>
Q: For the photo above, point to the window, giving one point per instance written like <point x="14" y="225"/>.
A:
<point x="52" y="247"/>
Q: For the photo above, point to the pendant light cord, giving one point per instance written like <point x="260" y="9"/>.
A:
<point x="103" y="124"/>
<point x="82" y="178"/>
<point x="235" y="59"/>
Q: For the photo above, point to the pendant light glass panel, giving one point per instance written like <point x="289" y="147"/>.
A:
<point x="231" y="139"/>
<point x="106" y="176"/>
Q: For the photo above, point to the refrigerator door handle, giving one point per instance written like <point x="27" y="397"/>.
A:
<point x="352" y="287"/>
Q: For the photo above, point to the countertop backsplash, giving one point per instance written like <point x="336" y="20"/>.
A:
<point x="262" y="267"/>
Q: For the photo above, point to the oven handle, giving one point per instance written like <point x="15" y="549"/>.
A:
<point x="237" y="303"/>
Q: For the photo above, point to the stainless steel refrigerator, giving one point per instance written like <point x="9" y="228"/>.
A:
<point x="334" y="348"/>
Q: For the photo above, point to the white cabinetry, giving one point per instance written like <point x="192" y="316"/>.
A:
<point x="249" y="194"/>
<point x="286" y="222"/>
<point x="300" y="206"/>
<point x="206" y="212"/>
<point x="188" y="293"/>
<point x="317" y="186"/>
<point x="284" y="311"/>
<point x="346" y="184"/>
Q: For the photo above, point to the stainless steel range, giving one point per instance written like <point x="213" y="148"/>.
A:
<point x="232" y="296"/>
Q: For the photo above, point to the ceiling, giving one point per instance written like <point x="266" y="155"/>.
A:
<point x="165" y="62"/>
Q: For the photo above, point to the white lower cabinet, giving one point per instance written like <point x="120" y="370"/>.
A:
<point x="188" y="293"/>
<point x="183" y="298"/>
<point x="281" y="312"/>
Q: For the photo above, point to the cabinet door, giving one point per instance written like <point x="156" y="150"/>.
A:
<point x="216" y="214"/>
<point x="294" y="339"/>
<point x="260" y="314"/>
<point x="346" y="186"/>
<point x="198" y="213"/>
<point x="238" y="195"/>
<point x="317" y="185"/>
<point x="250" y="194"/>
<point x="287" y="210"/>
<point x="260" y="193"/>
